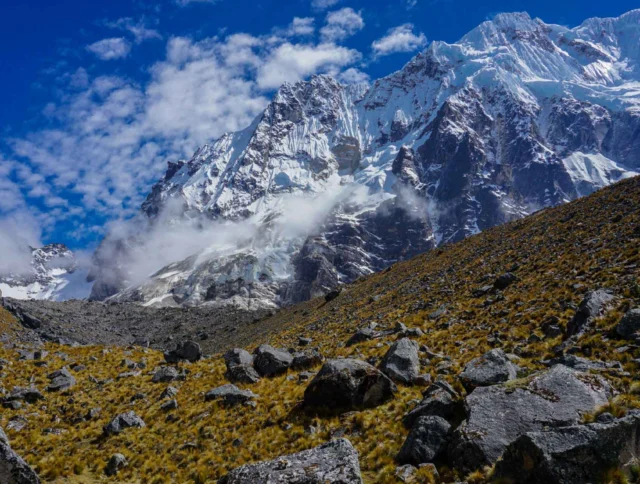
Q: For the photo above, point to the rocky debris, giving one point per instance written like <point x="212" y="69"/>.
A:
<point x="439" y="400"/>
<point x="572" y="455"/>
<point x="304" y="360"/>
<point x="165" y="374"/>
<point x="489" y="369"/>
<point x="29" y="395"/>
<point x="362" y="335"/>
<point x="401" y="363"/>
<point x="333" y="462"/>
<point x="348" y="384"/>
<point x="13" y="469"/>
<point x="169" y="405"/>
<point x="240" y="366"/>
<point x="122" y="422"/>
<point x="238" y="356"/>
<point x="505" y="280"/>
<point x="406" y="473"/>
<point x="581" y="364"/>
<point x="230" y="395"/>
<point x="592" y="306"/>
<point x="304" y="341"/>
<point x="115" y="464"/>
<point x="61" y="380"/>
<point x="426" y="441"/>
<point x="629" y="325"/>
<point x="269" y="361"/>
<point x="497" y="415"/>
<point x="169" y="392"/>
<point x="186" y="350"/>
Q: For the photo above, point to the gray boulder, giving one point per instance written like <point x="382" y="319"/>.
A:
<point x="165" y="374"/>
<point x="489" y="369"/>
<point x="304" y="360"/>
<point x="240" y="366"/>
<point x="29" y="395"/>
<point x="505" y="280"/>
<point x="269" y="361"/>
<point x="61" y="380"/>
<point x="592" y="306"/>
<point x="402" y="363"/>
<point x="348" y="384"/>
<point x="117" y="462"/>
<point x="497" y="415"/>
<point x="169" y="392"/>
<point x="13" y="469"/>
<point x="426" y="441"/>
<point x="122" y="422"/>
<point x="185" y="350"/>
<point x="361" y="336"/>
<point x="571" y="455"/>
<point x="629" y="325"/>
<point x="334" y="462"/>
<point x="230" y="395"/>
<point x="440" y="400"/>
<point x="238" y="356"/>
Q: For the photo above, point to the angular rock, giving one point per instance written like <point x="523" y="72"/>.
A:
<point x="13" y="469"/>
<point x="242" y="374"/>
<point x="238" y="356"/>
<point x="169" y="405"/>
<point x="592" y="306"/>
<point x="629" y="325"/>
<point x="61" y="380"/>
<point x="117" y="462"/>
<point x="571" y="455"/>
<point x="304" y="341"/>
<point x="165" y="374"/>
<point x="440" y="400"/>
<point x="497" y="415"/>
<point x="361" y="336"/>
<point x="334" y="462"/>
<point x="304" y="360"/>
<point x="504" y="281"/>
<point x="489" y="369"/>
<point x="122" y="422"/>
<point x="185" y="350"/>
<point x="401" y="363"/>
<point x="29" y="395"/>
<point x="269" y="361"/>
<point x="169" y="392"/>
<point x="348" y="384"/>
<point x="427" y="440"/>
<point x="230" y="395"/>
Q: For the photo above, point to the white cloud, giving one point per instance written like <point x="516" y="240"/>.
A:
<point x="138" y="29"/>
<point x="292" y="62"/>
<point x="184" y="3"/>
<point x="110" y="49"/>
<point x="302" y="26"/>
<point x="353" y="76"/>
<point x="323" y="4"/>
<point x="399" y="39"/>
<point x="341" y="24"/>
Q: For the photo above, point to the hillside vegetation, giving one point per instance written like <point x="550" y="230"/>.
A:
<point x="557" y="256"/>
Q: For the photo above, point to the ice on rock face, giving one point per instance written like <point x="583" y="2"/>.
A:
<point x="333" y="182"/>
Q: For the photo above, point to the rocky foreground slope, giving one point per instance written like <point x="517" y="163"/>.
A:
<point x="511" y="356"/>
<point x="334" y="182"/>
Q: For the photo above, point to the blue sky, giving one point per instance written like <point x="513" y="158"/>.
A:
<point x="96" y="96"/>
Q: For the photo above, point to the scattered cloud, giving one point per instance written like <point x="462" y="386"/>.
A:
<point x="399" y="39"/>
<point x="139" y="29"/>
<point x="302" y="26"/>
<point x="110" y="49"/>
<point x="411" y="4"/>
<point x="323" y="4"/>
<point x="341" y="24"/>
<point x="184" y="3"/>
<point x="353" y="76"/>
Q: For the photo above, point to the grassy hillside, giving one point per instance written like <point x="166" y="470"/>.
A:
<point x="557" y="256"/>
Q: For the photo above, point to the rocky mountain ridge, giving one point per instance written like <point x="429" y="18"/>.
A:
<point x="335" y="182"/>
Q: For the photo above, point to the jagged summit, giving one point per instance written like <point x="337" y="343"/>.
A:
<point x="333" y="182"/>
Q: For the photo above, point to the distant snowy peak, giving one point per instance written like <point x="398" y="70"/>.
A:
<point x="53" y="275"/>
<point x="333" y="182"/>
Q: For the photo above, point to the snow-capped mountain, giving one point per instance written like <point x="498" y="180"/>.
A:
<point x="334" y="181"/>
<point x="53" y="274"/>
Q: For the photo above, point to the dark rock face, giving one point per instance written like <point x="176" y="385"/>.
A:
<point x="334" y="462"/>
<point x="591" y="307"/>
<point x="13" y="469"/>
<point x="504" y="281"/>
<point x="491" y="368"/>
<point x="348" y="384"/>
<point x="571" y="455"/>
<point x="61" y="380"/>
<point x="401" y="363"/>
<point x="186" y="350"/>
<point x="361" y="336"/>
<point x="304" y="360"/>
<point x="269" y="361"/>
<point x="440" y="400"/>
<point x="230" y="395"/>
<point x="629" y="325"/>
<point x="499" y="414"/>
<point x="427" y="439"/>
<point x="122" y="422"/>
